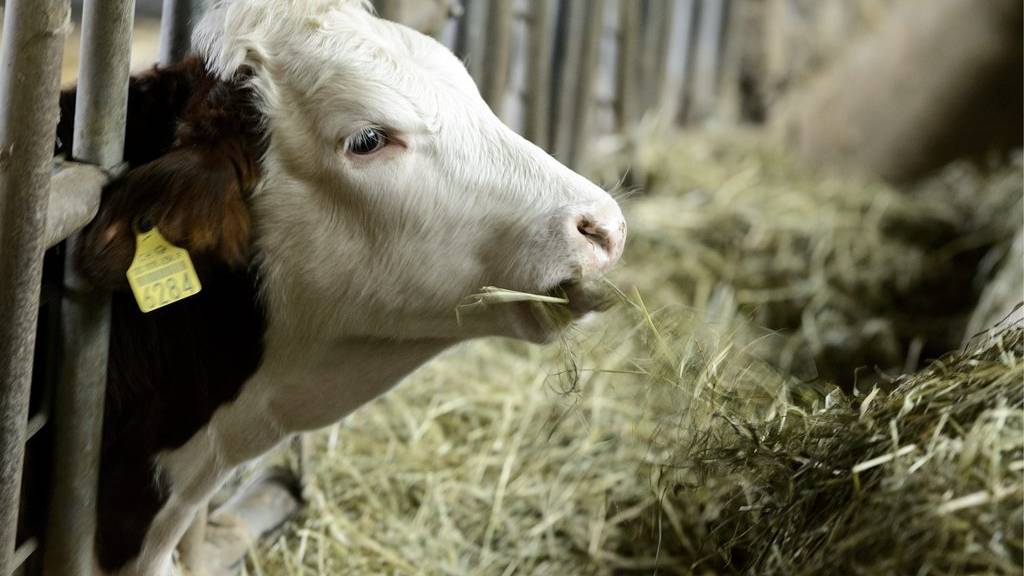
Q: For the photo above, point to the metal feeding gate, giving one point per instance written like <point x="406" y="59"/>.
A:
<point x="561" y="72"/>
<point x="53" y="329"/>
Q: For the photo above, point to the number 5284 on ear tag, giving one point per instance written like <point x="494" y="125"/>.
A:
<point x="161" y="273"/>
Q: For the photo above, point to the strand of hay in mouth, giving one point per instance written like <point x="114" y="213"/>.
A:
<point x="551" y="311"/>
<point x="493" y="295"/>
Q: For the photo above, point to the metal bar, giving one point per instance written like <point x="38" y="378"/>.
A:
<point x="33" y="38"/>
<point x="708" y="55"/>
<point x="496" y="59"/>
<point x="74" y="199"/>
<point x="24" y="552"/>
<point x="575" y="23"/>
<point x="476" y="41"/>
<point x="628" y="65"/>
<point x="176" y="22"/>
<point x="78" y="403"/>
<point x="451" y="30"/>
<point x="677" y="60"/>
<point x="35" y="424"/>
<point x="538" y="84"/>
<point x="654" y="27"/>
<point x="387" y="9"/>
<point x="593" y="17"/>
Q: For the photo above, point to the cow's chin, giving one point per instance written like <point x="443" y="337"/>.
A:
<point x="541" y="324"/>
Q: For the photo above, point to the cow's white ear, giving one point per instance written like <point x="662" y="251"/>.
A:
<point x="230" y="35"/>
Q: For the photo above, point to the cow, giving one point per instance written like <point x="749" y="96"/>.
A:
<point x="340" y="186"/>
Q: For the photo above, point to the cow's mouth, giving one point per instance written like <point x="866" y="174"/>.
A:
<point x="544" y="321"/>
<point x="584" y="296"/>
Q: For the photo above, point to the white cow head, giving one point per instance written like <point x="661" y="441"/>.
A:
<point x="390" y="189"/>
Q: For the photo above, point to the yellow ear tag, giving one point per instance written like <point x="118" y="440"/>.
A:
<point x="161" y="273"/>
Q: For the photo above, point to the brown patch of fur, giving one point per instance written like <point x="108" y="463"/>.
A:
<point x="195" y="192"/>
<point x="193" y="145"/>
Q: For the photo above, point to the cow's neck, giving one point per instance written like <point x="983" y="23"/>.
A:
<point x="215" y="360"/>
<point x="312" y="385"/>
<point x="170" y="371"/>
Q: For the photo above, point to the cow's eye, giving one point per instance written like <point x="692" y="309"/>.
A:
<point x="367" y="141"/>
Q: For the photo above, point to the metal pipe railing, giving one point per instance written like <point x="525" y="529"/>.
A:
<point x="100" y="114"/>
<point x="33" y="39"/>
<point x="707" y="58"/>
<point x="176" y="22"/>
<point x="583" y="33"/>
<point x="538" y="70"/>
<point x="677" y="66"/>
<point x="74" y="199"/>
<point x="498" y="30"/>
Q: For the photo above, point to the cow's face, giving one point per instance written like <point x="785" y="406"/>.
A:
<point x="369" y="180"/>
<point x="390" y="190"/>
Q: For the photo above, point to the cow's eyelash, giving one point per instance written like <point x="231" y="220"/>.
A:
<point x="367" y="141"/>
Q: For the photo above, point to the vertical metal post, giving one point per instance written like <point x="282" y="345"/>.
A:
<point x="628" y="65"/>
<point x="538" y="71"/>
<point x="33" y="39"/>
<point x="475" y="40"/>
<point x="708" y="56"/>
<point x="499" y="33"/>
<point x="574" y="20"/>
<point x="585" y="18"/>
<point x="654" y="35"/>
<point x="387" y="9"/>
<point x="677" y="59"/>
<point x="78" y="404"/>
<point x="176" y="22"/>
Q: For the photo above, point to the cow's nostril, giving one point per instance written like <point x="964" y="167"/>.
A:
<point x="602" y="228"/>
<point x="592" y="232"/>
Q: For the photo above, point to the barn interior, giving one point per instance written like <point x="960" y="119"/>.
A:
<point x="815" y="363"/>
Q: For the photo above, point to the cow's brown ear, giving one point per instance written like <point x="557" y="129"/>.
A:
<point x="196" y="196"/>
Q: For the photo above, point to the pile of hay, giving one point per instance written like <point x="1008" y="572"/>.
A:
<point x="854" y="273"/>
<point x="672" y="437"/>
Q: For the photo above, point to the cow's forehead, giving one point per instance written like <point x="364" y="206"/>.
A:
<point x="376" y="50"/>
<point x="304" y="34"/>
<point x="341" y="57"/>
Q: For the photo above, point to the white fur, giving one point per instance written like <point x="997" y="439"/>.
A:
<point x="364" y="259"/>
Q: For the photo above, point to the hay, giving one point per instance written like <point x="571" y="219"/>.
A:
<point x="857" y="274"/>
<point x="675" y="439"/>
<point x="552" y="311"/>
